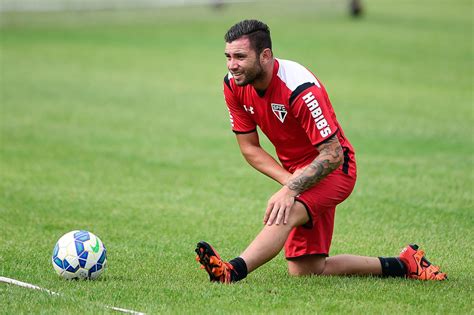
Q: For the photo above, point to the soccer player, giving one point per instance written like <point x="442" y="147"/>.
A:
<point x="355" y="8"/>
<point x="317" y="171"/>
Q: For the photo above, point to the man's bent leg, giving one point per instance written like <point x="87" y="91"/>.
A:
<point x="271" y="239"/>
<point x="352" y="265"/>
<point x="336" y="265"/>
<point x="411" y="263"/>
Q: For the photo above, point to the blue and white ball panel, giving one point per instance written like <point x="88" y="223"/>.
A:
<point x="102" y="257"/>
<point x="79" y="247"/>
<point x="82" y="236"/>
<point x="83" y="259"/>
<point x="97" y="269"/>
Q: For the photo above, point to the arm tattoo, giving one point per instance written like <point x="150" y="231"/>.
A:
<point x="330" y="158"/>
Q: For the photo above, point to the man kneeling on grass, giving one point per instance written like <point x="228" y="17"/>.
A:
<point x="317" y="172"/>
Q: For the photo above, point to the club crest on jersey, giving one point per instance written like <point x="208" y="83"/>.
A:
<point x="279" y="111"/>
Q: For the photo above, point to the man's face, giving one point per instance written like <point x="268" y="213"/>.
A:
<point x="243" y="62"/>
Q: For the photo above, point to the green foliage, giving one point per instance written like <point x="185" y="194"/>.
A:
<point x="114" y="122"/>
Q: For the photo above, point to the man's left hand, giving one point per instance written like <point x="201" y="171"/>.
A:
<point x="279" y="206"/>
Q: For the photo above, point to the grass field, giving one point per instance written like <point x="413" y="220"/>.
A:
<point x="114" y="122"/>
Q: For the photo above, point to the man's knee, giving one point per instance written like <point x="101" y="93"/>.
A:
<point x="299" y="215"/>
<point x="306" y="265"/>
<point x="300" y="272"/>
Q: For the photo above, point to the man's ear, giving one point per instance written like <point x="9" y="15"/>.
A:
<point x="266" y="56"/>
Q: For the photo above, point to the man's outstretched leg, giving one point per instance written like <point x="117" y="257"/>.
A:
<point x="263" y="248"/>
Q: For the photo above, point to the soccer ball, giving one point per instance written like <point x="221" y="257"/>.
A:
<point x="79" y="255"/>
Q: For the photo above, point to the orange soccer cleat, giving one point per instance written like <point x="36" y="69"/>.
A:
<point x="418" y="267"/>
<point x="218" y="270"/>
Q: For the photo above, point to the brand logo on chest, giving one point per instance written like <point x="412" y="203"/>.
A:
<point x="249" y="109"/>
<point x="279" y="111"/>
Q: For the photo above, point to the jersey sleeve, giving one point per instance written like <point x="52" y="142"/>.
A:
<point x="240" y="120"/>
<point x="314" y="112"/>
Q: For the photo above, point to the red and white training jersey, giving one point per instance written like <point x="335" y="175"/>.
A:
<point x="294" y="113"/>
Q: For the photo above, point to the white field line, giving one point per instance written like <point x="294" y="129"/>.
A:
<point x="34" y="287"/>
<point x="26" y="285"/>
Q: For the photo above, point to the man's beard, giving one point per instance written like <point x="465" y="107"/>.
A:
<point x="250" y="76"/>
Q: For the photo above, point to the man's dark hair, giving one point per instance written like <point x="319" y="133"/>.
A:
<point x="257" y="32"/>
